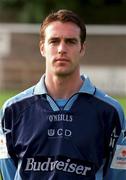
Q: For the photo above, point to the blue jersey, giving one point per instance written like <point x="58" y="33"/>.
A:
<point x="83" y="138"/>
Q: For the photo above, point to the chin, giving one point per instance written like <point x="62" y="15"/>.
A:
<point x="62" y="73"/>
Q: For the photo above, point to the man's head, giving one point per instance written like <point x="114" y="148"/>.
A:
<point x="62" y="43"/>
<point x="63" y="16"/>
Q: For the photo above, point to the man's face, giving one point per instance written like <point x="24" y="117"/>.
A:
<point x="62" y="48"/>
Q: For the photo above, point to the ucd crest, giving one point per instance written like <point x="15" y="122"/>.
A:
<point x="51" y="132"/>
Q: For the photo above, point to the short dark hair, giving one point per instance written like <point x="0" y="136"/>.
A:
<point x="63" y="16"/>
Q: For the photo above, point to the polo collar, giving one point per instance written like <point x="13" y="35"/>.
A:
<point x="87" y="87"/>
<point x="40" y="88"/>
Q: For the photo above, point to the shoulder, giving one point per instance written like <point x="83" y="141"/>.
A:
<point x="104" y="101"/>
<point x="18" y="98"/>
<point x="110" y="101"/>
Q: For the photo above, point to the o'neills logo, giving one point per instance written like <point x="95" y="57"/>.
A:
<point x="60" y="117"/>
<point x="64" y="165"/>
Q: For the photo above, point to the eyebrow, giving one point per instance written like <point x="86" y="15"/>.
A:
<point x="66" y="39"/>
<point x="71" y="39"/>
<point x="53" y="38"/>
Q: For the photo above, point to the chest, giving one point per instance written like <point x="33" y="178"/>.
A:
<point x="45" y="131"/>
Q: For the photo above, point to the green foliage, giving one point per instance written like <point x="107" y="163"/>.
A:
<point x="11" y="3"/>
<point x="4" y="95"/>
<point x="93" y="11"/>
<point x="122" y="101"/>
<point x="0" y="176"/>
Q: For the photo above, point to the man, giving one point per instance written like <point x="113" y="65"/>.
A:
<point x="63" y="127"/>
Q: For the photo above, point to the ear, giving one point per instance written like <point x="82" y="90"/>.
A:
<point x="83" y="48"/>
<point x="41" y="46"/>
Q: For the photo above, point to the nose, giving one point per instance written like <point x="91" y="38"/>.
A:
<point x="62" y="48"/>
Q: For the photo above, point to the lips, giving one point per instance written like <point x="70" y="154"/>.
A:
<point x="62" y="60"/>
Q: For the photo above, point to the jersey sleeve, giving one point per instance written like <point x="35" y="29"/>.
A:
<point x="7" y="164"/>
<point x="117" y="160"/>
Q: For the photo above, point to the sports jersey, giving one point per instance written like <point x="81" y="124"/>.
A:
<point x="82" y="137"/>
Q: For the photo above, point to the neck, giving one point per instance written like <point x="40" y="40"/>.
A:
<point x="63" y="87"/>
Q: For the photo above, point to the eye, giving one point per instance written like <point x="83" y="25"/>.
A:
<point x="71" y="41"/>
<point x="54" y="41"/>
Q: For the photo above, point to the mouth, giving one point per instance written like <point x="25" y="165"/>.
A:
<point x="62" y="60"/>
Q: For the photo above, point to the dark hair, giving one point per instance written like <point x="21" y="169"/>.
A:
<point x="63" y="16"/>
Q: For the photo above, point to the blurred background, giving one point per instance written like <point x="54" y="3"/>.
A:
<point x="21" y="64"/>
